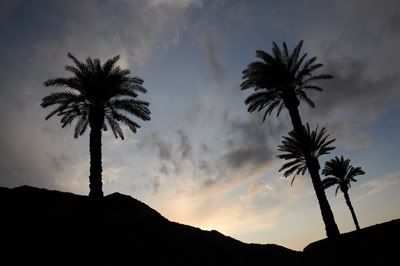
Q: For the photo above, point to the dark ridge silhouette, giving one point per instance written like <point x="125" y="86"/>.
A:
<point x="373" y="245"/>
<point x="43" y="227"/>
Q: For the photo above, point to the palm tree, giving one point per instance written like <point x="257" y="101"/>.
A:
<point x="281" y="79"/>
<point x="340" y="172"/>
<point x="291" y="147"/>
<point x="95" y="94"/>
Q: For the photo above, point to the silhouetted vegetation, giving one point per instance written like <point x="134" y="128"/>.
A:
<point x="282" y="79"/>
<point x="318" y="142"/>
<point x="100" y="96"/>
<point x="340" y="172"/>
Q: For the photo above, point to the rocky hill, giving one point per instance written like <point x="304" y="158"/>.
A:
<point x="42" y="227"/>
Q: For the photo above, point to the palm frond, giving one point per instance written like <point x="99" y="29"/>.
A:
<point x="82" y="67"/>
<point x="127" y="121"/>
<point x="295" y="54"/>
<point x="329" y="181"/>
<point x="94" y="89"/>
<point x="311" y="87"/>
<point x="317" y="77"/>
<point x="277" y="52"/>
<point x="115" y="128"/>
<point x="135" y="107"/>
<point x="71" y="83"/>
<point x="269" y="59"/>
<point x="60" y="98"/>
<point x="303" y="96"/>
<point x="285" y="52"/>
<point x="287" y="75"/>
<point x="342" y="171"/>
<point x="337" y="189"/>
<point x="292" y="149"/>
<point x="107" y="66"/>
<point x="81" y="126"/>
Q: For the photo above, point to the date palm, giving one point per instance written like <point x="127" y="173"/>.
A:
<point x="340" y="172"/>
<point x="99" y="96"/>
<point x="318" y="142"/>
<point x="282" y="80"/>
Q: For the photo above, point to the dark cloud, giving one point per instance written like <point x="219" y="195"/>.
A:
<point x="25" y="158"/>
<point x="355" y="93"/>
<point x="362" y="53"/>
<point x="185" y="148"/>
<point x="164" y="169"/>
<point x="156" y="184"/>
<point x="58" y="162"/>
<point x="252" y="143"/>
<point x="170" y="153"/>
<point x="210" y="40"/>
<point x="209" y="182"/>
<point x="205" y="168"/>
<point x="205" y="148"/>
<point x="164" y="149"/>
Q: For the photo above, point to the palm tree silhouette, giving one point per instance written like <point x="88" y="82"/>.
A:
<point x="279" y="80"/>
<point x="340" y="172"/>
<point x="97" y="93"/>
<point x="317" y="141"/>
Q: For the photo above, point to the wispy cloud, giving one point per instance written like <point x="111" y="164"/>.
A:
<point x="210" y="40"/>
<point x="378" y="185"/>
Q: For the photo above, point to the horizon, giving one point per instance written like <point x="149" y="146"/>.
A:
<point x="202" y="159"/>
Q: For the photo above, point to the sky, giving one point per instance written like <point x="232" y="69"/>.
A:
<point x="202" y="159"/>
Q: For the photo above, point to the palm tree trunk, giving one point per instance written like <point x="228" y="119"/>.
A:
<point x="313" y="166"/>
<point x="353" y="214"/>
<point x="96" y="120"/>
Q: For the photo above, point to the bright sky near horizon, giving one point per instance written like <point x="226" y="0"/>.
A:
<point x="203" y="160"/>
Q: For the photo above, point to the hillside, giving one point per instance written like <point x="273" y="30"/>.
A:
<point x="42" y="227"/>
<point x="374" y="245"/>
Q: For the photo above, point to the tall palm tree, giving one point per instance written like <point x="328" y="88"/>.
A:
<point x="96" y="95"/>
<point x="318" y="142"/>
<point x="281" y="79"/>
<point x="340" y="172"/>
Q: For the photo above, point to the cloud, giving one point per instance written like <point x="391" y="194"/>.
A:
<point x="164" y="149"/>
<point x="36" y="39"/>
<point x="24" y="159"/>
<point x="185" y="147"/>
<point x="361" y="52"/>
<point x="58" y="162"/>
<point x="206" y="169"/>
<point x="205" y="148"/>
<point x="210" y="39"/>
<point x="202" y="159"/>
<point x="378" y="185"/>
<point x="176" y="3"/>
<point x="156" y="185"/>
<point x="244" y="204"/>
<point x="112" y="173"/>
<point x="164" y="169"/>
<point x="251" y="142"/>
<point x="171" y="154"/>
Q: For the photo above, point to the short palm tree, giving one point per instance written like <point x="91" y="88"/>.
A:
<point x="340" y="172"/>
<point x="282" y="79"/>
<point x="99" y="96"/>
<point x="291" y="147"/>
